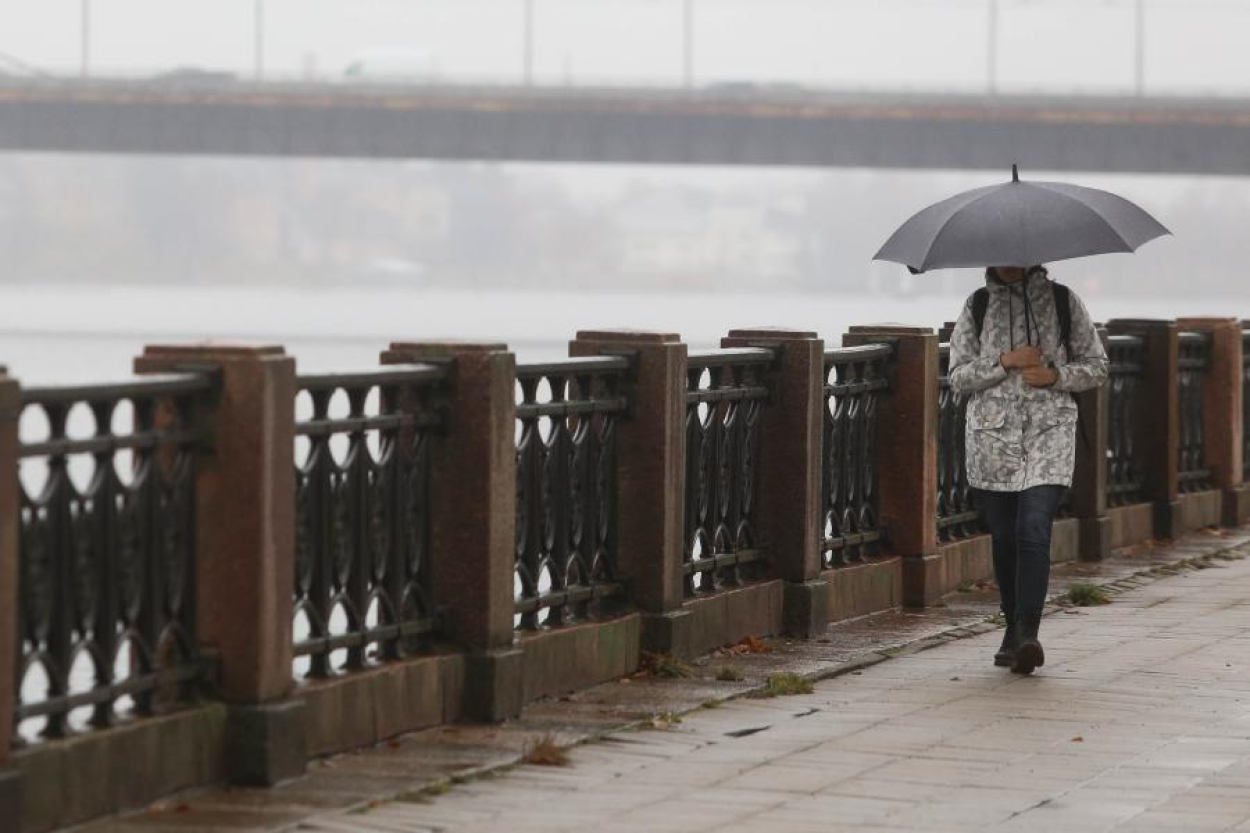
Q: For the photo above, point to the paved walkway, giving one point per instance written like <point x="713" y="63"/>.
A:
<point x="1140" y="720"/>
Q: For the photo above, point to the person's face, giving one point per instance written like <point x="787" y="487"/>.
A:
<point x="1009" y="274"/>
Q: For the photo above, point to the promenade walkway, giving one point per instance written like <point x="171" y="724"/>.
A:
<point x="1139" y="721"/>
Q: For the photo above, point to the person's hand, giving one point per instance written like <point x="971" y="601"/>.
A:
<point x="1021" y="357"/>
<point x="1040" y="377"/>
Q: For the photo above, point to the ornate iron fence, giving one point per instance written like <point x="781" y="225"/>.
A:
<point x="362" y="516"/>
<point x="566" y="489"/>
<point x="854" y="376"/>
<point x="725" y="394"/>
<point x="957" y="513"/>
<point x="1195" y="362"/>
<point x="107" y="552"/>
<point x="1124" y="484"/>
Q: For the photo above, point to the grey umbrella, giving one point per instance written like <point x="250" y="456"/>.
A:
<point x="1019" y="224"/>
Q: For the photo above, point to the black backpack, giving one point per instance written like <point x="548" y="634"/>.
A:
<point x="1063" y="311"/>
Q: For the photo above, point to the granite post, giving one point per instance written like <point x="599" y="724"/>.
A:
<point x="473" y="517"/>
<point x="651" y="477"/>
<point x="791" y="437"/>
<point x="245" y="549"/>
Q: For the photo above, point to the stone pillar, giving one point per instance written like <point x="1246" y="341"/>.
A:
<point x="1157" y="418"/>
<point x="1222" y="405"/>
<point x="473" y="517"/>
<point x="651" y="477"/>
<point x="1089" y="480"/>
<point x="245" y="550"/>
<point x="907" y="418"/>
<point x="791" y="438"/>
<point x="10" y="509"/>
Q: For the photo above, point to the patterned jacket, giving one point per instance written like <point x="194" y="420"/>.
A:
<point x="1018" y="436"/>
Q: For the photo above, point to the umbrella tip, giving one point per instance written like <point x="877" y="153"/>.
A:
<point x="1015" y="174"/>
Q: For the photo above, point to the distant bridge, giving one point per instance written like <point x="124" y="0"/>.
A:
<point x="725" y="125"/>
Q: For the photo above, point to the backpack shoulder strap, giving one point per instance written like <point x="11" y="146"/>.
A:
<point x="980" y="303"/>
<point x="1063" y="310"/>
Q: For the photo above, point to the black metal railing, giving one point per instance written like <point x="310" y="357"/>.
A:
<point x="854" y="378"/>
<point x="362" y="496"/>
<point x="1124" y="369"/>
<point x="725" y="394"/>
<point x="958" y="516"/>
<point x="566" y="489"/>
<point x="1195" y="362"/>
<point x="107" y="552"/>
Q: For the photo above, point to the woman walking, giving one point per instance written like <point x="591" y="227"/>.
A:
<point x="1021" y="347"/>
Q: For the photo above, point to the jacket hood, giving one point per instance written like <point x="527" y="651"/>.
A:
<point x="1031" y="274"/>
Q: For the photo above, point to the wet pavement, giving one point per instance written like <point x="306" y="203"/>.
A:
<point x="910" y="696"/>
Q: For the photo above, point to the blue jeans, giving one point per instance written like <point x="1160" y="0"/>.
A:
<point x="1020" y="523"/>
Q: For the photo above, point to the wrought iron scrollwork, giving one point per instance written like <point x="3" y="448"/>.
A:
<point x="566" y="489"/>
<point x="854" y="379"/>
<point x="1194" y="364"/>
<point x="362" y="521"/>
<point x="107" y="551"/>
<point x="1124" y="484"/>
<point x="725" y="396"/>
<point x="958" y="516"/>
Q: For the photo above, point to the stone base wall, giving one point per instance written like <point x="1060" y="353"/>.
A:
<point x="1199" y="510"/>
<point x="1065" y="541"/>
<point x="1130" y="525"/>
<point x="860" y="589"/>
<point x="1236" y="506"/>
<point x="565" y="659"/>
<point x="725" y="618"/>
<point x="365" y="707"/>
<point x="69" y="781"/>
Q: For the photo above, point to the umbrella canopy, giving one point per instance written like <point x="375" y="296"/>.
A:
<point x="1019" y="224"/>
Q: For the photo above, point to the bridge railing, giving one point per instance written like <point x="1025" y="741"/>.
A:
<point x="1124" y="484"/>
<point x="726" y="392"/>
<point x="361" y="583"/>
<point x="854" y="378"/>
<point x="957" y="515"/>
<point x="284" y="566"/>
<point x="566" y="489"/>
<point x="1193" y="365"/>
<point x="107" y="563"/>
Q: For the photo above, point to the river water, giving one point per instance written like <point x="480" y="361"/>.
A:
<point x="86" y="333"/>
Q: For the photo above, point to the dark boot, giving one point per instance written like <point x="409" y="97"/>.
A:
<point x="1029" y="654"/>
<point x="1006" y="653"/>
